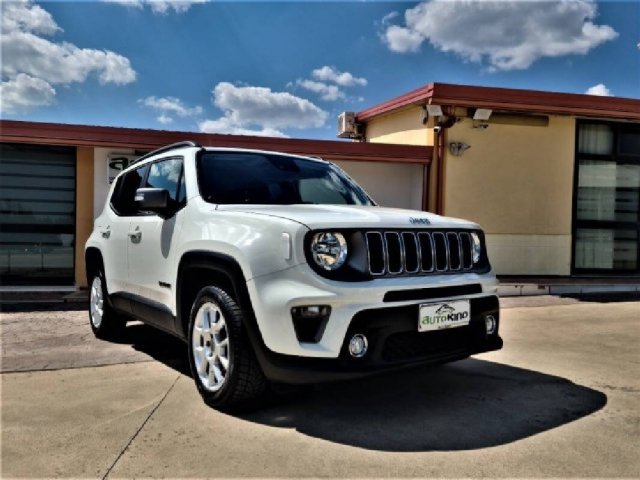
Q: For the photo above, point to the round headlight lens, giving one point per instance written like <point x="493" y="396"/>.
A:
<point x="329" y="250"/>
<point x="476" y="247"/>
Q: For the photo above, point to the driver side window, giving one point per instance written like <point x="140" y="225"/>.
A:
<point x="122" y="201"/>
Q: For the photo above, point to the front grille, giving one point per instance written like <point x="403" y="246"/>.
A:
<point x="406" y="253"/>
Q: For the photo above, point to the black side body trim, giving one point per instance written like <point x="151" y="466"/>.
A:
<point x="153" y="313"/>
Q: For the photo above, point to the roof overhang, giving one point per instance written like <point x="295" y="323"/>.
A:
<point x="13" y="131"/>
<point x="510" y="100"/>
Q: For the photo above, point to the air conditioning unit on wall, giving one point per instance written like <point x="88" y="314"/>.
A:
<point x="348" y="127"/>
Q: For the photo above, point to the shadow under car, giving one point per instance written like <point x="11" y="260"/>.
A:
<point x="465" y="405"/>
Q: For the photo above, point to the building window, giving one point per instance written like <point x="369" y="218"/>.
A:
<point x="607" y="199"/>
<point x="37" y="214"/>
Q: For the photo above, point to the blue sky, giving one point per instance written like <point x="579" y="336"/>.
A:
<point x="289" y="68"/>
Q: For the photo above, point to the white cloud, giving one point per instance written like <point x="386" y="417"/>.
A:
<point x="224" y="125"/>
<point x="507" y="34"/>
<point x="600" y="90"/>
<point x="249" y="110"/>
<point x="164" y="119"/>
<point x="169" y="106"/>
<point x="32" y="63"/>
<point x="24" y="93"/>
<point x="327" y="82"/>
<point x="388" y="17"/>
<point x="327" y="92"/>
<point x="248" y="105"/>
<point x="344" y="79"/>
<point x="24" y="52"/>
<point x="22" y="15"/>
<point x="160" y="6"/>
<point x="402" y="40"/>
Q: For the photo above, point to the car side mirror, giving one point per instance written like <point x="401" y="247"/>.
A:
<point x="155" y="200"/>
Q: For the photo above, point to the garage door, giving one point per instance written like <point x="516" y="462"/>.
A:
<point x="37" y="215"/>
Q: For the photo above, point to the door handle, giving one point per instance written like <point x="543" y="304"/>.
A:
<point x="135" y="236"/>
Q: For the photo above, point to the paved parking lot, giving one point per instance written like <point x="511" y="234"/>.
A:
<point x="561" y="399"/>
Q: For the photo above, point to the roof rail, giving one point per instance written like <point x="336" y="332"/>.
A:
<point x="173" y="146"/>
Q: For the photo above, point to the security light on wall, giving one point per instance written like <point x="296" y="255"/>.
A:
<point x="434" y="110"/>
<point x="482" y="114"/>
<point x="430" y="111"/>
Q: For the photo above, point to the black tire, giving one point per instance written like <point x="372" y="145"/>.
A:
<point x="244" y="386"/>
<point x="111" y="325"/>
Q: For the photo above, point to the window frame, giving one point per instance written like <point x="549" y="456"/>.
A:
<point x="199" y="172"/>
<point x="147" y="167"/>
<point x="616" y="158"/>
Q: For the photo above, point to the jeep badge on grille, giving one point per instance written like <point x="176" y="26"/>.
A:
<point x="419" y="221"/>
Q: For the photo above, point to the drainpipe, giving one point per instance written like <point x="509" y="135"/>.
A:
<point x="431" y="186"/>
<point x="440" y="141"/>
<point x="435" y="177"/>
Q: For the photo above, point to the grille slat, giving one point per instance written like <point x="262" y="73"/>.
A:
<point x="418" y="253"/>
<point x="395" y="254"/>
<point x="376" y="253"/>
<point x="411" y="252"/>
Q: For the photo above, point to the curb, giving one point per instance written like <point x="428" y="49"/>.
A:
<point x="532" y="289"/>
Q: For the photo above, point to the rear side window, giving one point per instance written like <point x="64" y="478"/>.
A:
<point x="122" y="200"/>
<point x="167" y="174"/>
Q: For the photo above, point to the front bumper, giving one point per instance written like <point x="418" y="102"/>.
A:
<point x="273" y="296"/>
<point x="394" y="342"/>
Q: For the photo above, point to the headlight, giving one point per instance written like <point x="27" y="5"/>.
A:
<point x="329" y="250"/>
<point x="476" y="247"/>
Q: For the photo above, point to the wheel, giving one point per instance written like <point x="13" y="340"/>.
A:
<point x="223" y="364"/>
<point x="106" y="323"/>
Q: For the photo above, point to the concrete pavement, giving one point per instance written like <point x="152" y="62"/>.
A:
<point x="561" y="399"/>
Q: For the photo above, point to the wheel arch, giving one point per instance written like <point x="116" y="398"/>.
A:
<point x="198" y="269"/>
<point x="93" y="263"/>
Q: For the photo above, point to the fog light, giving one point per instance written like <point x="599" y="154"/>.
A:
<point x="490" y="324"/>
<point x="358" y="345"/>
<point x="311" y="311"/>
<point x="309" y="322"/>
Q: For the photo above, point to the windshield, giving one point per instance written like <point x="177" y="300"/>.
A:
<point x="255" y="178"/>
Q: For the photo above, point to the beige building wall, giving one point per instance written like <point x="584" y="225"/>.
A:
<point x="84" y="209"/>
<point x="517" y="182"/>
<point x="390" y="184"/>
<point x="402" y="127"/>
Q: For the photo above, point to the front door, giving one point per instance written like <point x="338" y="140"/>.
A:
<point x="114" y="229"/>
<point x="152" y="239"/>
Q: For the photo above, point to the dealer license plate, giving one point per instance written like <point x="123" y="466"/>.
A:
<point x="438" y="316"/>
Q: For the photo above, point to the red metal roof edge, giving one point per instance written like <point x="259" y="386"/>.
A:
<point x="417" y="96"/>
<point x="510" y="99"/>
<point x="99" y="136"/>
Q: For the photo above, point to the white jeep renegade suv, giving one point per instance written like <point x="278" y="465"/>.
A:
<point x="280" y="268"/>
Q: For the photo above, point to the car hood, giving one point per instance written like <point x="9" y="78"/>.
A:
<point x="350" y="216"/>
